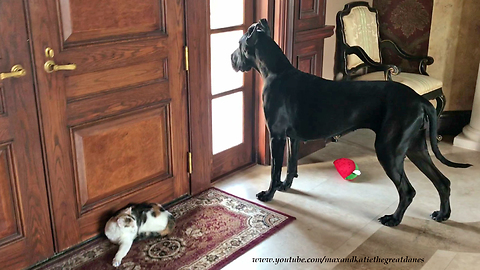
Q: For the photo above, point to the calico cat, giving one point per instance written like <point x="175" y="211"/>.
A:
<point x="137" y="221"/>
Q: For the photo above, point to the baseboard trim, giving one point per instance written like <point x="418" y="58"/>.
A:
<point x="452" y="122"/>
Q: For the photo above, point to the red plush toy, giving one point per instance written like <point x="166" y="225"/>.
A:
<point x="347" y="168"/>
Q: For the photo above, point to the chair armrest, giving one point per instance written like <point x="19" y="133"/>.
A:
<point x="424" y="60"/>
<point x="388" y="70"/>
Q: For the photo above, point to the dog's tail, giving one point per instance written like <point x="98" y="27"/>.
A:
<point x="432" y="121"/>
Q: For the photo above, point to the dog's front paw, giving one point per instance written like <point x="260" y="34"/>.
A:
<point x="264" y="196"/>
<point x="389" y="220"/>
<point x="285" y="186"/>
<point x="438" y="216"/>
<point x="116" y="262"/>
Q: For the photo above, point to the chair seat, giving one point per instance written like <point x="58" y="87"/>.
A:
<point x="422" y="84"/>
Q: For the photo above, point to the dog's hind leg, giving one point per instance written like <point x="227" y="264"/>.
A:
<point x="292" y="150"/>
<point x="418" y="154"/>
<point x="277" y="147"/>
<point x="391" y="154"/>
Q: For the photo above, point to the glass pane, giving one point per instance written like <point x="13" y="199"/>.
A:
<point x="225" y="13"/>
<point x="224" y="78"/>
<point x="227" y="122"/>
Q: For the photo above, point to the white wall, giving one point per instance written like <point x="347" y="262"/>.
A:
<point x="333" y="6"/>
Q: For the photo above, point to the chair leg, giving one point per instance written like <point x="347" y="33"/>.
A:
<point x="440" y="104"/>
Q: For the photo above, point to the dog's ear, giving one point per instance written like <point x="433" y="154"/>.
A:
<point x="264" y="26"/>
<point x="255" y="29"/>
<point x="252" y="35"/>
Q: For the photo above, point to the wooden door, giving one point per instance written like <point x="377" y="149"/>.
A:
<point x="25" y="229"/>
<point x="231" y="93"/>
<point x="115" y="127"/>
<point x="219" y="144"/>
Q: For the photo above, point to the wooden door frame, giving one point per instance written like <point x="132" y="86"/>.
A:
<point x="198" y="97"/>
<point x="263" y="9"/>
<point x="197" y="40"/>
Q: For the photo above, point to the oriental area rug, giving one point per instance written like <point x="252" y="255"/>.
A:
<point x="212" y="229"/>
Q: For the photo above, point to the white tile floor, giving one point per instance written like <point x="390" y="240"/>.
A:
<point x="338" y="219"/>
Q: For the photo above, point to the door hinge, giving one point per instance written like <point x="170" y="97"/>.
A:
<point x="190" y="165"/>
<point x="186" y="58"/>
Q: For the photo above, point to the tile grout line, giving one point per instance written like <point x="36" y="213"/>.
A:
<point x="450" y="262"/>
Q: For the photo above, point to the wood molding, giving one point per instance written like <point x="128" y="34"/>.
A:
<point x="264" y="9"/>
<point x="313" y="34"/>
<point x="197" y="25"/>
<point x="284" y="26"/>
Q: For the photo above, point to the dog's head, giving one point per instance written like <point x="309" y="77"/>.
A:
<point x="243" y="58"/>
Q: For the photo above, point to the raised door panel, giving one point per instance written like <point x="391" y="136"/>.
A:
<point x="2" y="100"/>
<point x="11" y="227"/>
<point x="94" y="82"/>
<point x="309" y="14"/>
<point x="308" y="9"/>
<point x="116" y="126"/>
<point x="308" y="56"/>
<point x="115" y="155"/>
<point x="307" y="62"/>
<point x="84" y="22"/>
<point x="25" y="227"/>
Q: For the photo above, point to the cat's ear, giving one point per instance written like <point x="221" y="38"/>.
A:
<point x="161" y="207"/>
<point x="121" y="222"/>
<point x="125" y="221"/>
<point x="128" y="211"/>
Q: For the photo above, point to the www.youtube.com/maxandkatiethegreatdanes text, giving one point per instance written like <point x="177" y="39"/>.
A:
<point x="352" y="259"/>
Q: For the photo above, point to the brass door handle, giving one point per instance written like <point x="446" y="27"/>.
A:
<point x="16" y="72"/>
<point x="50" y="66"/>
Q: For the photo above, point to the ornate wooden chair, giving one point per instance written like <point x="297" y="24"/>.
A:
<point x="358" y="57"/>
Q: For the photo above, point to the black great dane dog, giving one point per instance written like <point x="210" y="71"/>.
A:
<point x="304" y="107"/>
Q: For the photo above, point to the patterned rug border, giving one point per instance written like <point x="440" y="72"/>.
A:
<point x="97" y="240"/>
<point x="257" y="204"/>
<point x="258" y="240"/>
